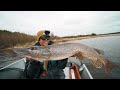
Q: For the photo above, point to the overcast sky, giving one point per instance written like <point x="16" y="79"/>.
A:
<point x="61" y="23"/>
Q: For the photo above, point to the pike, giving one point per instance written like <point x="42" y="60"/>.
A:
<point x="65" y="50"/>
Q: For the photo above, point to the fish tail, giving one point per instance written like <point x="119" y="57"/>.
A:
<point x="109" y="65"/>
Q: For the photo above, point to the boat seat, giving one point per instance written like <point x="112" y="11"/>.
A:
<point x="72" y="72"/>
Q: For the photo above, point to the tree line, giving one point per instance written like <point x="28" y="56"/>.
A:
<point x="8" y="39"/>
<point x="92" y="34"/>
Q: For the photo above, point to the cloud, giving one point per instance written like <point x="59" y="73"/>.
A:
<point x="61" y="23"/>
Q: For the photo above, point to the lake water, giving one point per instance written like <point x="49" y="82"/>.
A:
<point x="111" y="47"/>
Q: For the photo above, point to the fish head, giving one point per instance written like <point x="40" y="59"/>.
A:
<point x="39" y="53"/>
<point x="22" y="51"/>
<point x="38" y="49"/>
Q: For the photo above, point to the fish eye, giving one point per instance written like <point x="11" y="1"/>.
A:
<point x="32" y="48"/>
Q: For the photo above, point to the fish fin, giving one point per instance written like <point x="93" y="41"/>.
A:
<point x="109" y="65"/>
<point x="79" y="55"/>
<point x="99" y="51"/>
<point x="45" y="63"/>
<point x="96" y="63"/>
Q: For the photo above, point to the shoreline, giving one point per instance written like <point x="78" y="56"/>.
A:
<point x="82" y="37"/>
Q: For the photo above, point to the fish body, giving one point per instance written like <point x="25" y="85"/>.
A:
<point x="65" y="50"/>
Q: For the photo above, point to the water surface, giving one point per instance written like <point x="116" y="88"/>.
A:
<point x="111" y="47"/>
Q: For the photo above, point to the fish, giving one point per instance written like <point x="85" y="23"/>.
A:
<point x="65" y="50"/>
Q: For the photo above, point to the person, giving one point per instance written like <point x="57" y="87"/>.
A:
<point x="35" y="69"/>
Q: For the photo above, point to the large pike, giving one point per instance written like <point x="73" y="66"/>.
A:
<point x="65" y="50"/>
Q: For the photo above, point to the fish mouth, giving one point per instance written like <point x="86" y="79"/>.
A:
<point x="21" y="51"/>
<point x="16" y="50"/>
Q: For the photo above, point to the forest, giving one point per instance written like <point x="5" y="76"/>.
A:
<point x="10" y="39"/>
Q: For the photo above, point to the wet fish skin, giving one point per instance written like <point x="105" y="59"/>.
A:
<point x="65" y="50"/>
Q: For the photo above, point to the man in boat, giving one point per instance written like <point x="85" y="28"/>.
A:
<point x="53" y="69"/>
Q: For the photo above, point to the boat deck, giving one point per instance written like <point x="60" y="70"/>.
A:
<point x="73" y="70"/>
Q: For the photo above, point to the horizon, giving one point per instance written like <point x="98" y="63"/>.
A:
<point x="61" y="23"/>
<point x="62" y="36"/>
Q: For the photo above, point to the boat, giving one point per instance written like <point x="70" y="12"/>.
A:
<point x="73" y="70"/>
